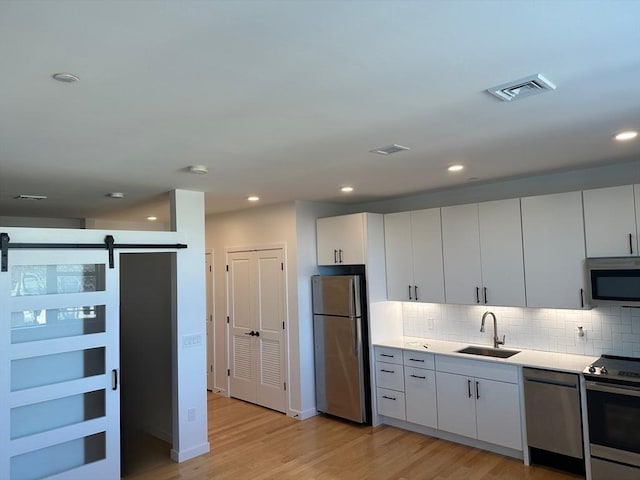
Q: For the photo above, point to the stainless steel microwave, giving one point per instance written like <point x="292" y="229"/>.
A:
<point x="614" y="281"/>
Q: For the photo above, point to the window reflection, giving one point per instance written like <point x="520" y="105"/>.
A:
<point x="32" y="325"/>
<point x="54" y="279"/>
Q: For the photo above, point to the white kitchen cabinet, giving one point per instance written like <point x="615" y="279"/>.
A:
<point x="554" y="250"/>
<point x="420" y="389"/>
<point x="413" y="247"/>
<point x="341" y="240"/>
<point x="483" y="261"/>
<point x="611" y="228"/>
<point x="389" y="375"/>
<point x="479" y="400"/>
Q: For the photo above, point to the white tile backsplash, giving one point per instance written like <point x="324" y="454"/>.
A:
<point x="613" y="330"/>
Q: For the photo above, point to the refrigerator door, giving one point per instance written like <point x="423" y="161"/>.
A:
<point x="339" y="367"/>
<point x="336" y="295"/>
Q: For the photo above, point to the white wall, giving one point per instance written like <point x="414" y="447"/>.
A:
<point x="292" y="225"/>
<point x="614" y="330"/>
<point x="41" y="222"/>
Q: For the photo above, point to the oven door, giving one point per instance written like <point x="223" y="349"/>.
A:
<point x="614" y="422"/>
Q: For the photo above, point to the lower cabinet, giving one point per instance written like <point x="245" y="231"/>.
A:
<point x="481" y="400"/>
<point x="472" y="398"/>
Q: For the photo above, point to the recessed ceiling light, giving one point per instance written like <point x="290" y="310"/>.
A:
<point x="65" y="77"/>
<point x="389" y="149"/>
<point x="115" y="195"/>
<point x="199" y="169"/>
<point x="628" y="135"/>
<point x="253" y="198"/>
<point x="455" y="168"/>
<point x="346" y="189"/>
<point x="152" y="218"/>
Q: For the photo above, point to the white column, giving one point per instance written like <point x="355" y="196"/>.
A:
<point x="189" y="356"/>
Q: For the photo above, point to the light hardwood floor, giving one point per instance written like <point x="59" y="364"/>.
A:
<point x="251" y="442"/>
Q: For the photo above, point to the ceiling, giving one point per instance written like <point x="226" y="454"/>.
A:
<point x="285" y="99"/>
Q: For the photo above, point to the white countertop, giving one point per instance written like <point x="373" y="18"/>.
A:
<point x="565" y="362"/>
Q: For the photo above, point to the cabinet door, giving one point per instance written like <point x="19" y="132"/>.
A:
<point x="498" y="413"/>
<point x="461" y="250"/>
<point x="420" y="396"/>
<point x="340" y="240"/>
<point x="428" y="272"/>
<point x="554" y="252"/>
<point x="456" y="404"/>
<point x="501" y="253"/>
<point x="610" y="222"/>
<point x="399" y="261"/>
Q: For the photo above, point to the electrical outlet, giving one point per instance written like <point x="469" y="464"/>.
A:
<point x="191" y="415"/>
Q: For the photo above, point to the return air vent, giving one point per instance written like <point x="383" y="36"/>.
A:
<point x="389" y="149"/>
<point x="525" y="87"/>
<point x="31" y="197"/>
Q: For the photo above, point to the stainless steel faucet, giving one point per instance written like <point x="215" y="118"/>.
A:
<point x="496" y="341"/>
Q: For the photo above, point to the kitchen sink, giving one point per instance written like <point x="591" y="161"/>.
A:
<point x="489" y="352"/>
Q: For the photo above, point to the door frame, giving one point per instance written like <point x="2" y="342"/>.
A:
<point x="254" y="248"/>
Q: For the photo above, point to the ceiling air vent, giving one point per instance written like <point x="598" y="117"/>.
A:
<point x="31" y="197"/>
<point x="389" y="149"/>
<point x="525" y="87"/>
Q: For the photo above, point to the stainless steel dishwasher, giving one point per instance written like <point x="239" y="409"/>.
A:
<point x="552" y="406"/>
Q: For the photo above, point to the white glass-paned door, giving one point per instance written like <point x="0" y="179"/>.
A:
<point x="59" y="361"/>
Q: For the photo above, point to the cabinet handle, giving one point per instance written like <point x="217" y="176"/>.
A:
<point x="477" y="389"/>
<point x="582" y="298"/>
<point x="340" y="255"/>
<point x="477" y="295"/>
<point x="418" y="376"/>
<point x="485" y="296"/>
<point x="335" y="256"/>
<point x="469" y="387"/>
<point x="387" y="355"/>
<point x="410" y="298"/>
<point x="415" y="289"/>
<point x="416" y="360"/>
<point x="389" y="398"/>
<point x="631" y="244"/>
<point x="387" y="371"/>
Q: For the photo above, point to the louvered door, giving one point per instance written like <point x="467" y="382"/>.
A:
<point x="257" y="321"/>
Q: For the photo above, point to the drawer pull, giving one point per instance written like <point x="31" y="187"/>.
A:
<point x="387" y="371"/>
<point x="387" y="355"/>
<point x="389" y="398"/>
<point x="418" y="376"/>
<point x="416" y="360"/>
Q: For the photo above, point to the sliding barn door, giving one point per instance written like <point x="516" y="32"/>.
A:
<point x="59" y="362"/>
<point x="257" y="327"/>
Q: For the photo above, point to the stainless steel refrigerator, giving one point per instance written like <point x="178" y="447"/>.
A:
<point x="341" y="354"/>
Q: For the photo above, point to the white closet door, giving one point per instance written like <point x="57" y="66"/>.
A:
<point x="59" y="360"/>
<point x="270" y="324"/>
<point x="242" y="325"/>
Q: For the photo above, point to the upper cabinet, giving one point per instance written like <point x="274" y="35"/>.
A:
<point x="341" y="240"/>
<point x="483" y="261"/>
<point x="611" y="222"/>
<point x="554" y="250"/>
<point x="413" y="247"/>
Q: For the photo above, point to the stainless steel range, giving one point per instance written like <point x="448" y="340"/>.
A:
<point x="613" y="406"/>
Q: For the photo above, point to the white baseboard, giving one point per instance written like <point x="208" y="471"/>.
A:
<point x="298" y="415"/>
<point x="188" y="454"/>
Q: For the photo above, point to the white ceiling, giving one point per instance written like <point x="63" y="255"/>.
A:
<point x="284" y="99"/>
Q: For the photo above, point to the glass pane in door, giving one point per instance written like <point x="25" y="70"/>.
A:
<point x="59" y="367"/>
<point x="33" y="325"/>
<point x="54" y="279"/>
<point x="59" y="458"/>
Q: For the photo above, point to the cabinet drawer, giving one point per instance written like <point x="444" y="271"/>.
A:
<point x="389" y="355"/>
<point x="390" y="375"/>
<point x="420" y="396"/>
<point x="418" y="359"/>
<point x="391" y="403"/>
